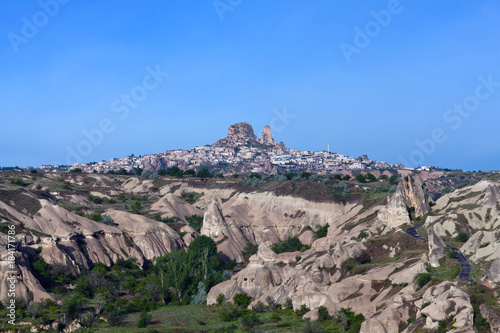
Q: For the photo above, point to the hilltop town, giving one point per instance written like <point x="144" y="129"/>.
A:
<point x="241" y="151"/>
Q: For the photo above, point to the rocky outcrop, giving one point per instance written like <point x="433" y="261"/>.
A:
<point x="437" y="248"/>
<point x="447" y="299"/>
<point x="409" y="193"/>
<point x="19" y="274"/>
<point x="266" y="138"/>
<point x="229" y="235"/>
<point x="237" y="135"/>
<point x="492" y="316"/>
<point x="171" y="206"/>
<point x="493" y="274"/>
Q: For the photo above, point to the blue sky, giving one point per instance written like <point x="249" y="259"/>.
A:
<point x="65" y="69"/>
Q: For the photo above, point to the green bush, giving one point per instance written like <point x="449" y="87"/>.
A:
<point x="106" y="219"/>
<point x="323" y="314"/>
<point x="363" y="258"/>
<point x="242" y="300"/>
<point x="423" y="279"/>
<point x="144" y="319"/>
<point x="250" y="321"/>
<point x="323" y="231"/>
<point x="302" y="311"/>
<point x="17" y="181"/>
<point x="221" y="299"/>
<point x="462" y="237"/>
<point x="290" y="245"/>
<point x="363" y="234"/>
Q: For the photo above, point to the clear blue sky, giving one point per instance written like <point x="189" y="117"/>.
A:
<point x="65" y="70"/>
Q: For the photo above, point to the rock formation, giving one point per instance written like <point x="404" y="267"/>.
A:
<point x="229" y="235"/>
<point x="237" y="135"/>
<point x="437" y="248"/>
<point x="409" y="193"/>
<point x="266" y="137"/>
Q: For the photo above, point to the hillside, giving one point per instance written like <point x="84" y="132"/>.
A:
<point x="98" y="250"/>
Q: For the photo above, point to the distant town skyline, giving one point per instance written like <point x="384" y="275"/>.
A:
<point x="406" y="82"/>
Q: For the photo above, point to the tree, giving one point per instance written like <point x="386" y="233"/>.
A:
<point x="175" y="171"/>
<point x="393" y="179"/>
<point x="204" y="173"/>
<point x="201" y="297"/>
<point x="203" y="260"/>
<point x="360" y="178"/>
<point x="173" y="270"/>
<point x="370" y="177"/>
<point x="346" y="177"/>
<point x="383" y="177"/>
<point x="189" y="172"/>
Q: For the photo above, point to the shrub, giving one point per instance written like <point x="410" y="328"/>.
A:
<point x="323" y="314"/>
<point x="221" y="299"/>
<point x="250" y="249"/>
<point x="312" y="327"/>
<point x="228" y="312"/>
<point x="288" y="303"/>
<point x="290" y="245"/>
<point x="452" y="254"/>
<point x="423" y="279"/>
<point x="370" y="177"/>
<point x="302" y="311"/>
<point x="106" y="219"/>
<point x="323" y="231"/>
<point x="250" y="321"/>
<point x="363" y="258"/>
<point x="462" y="237"/>
<point x="363" y="234"/>
<point x="259" y="307"/>
<point x="360" y="178"/>
<point x="17" y="181"/>
<point x="346" y="177"/>
<point x="242" y="300"/>
<point x="144" y="319"/>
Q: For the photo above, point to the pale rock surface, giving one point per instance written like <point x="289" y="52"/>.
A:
<point x="409" y="275"/>
<point x="171" y="206"/>
<point x="448" y="299"/>
<point x="494" y="271"/>
<point x="409" y="193"/>
<point x="307" y="237"/>
<point x="266" y="137"/>
<point x="437" y="247"/>
<point x="216" y="227"/>
<point x="312" y="315"/>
